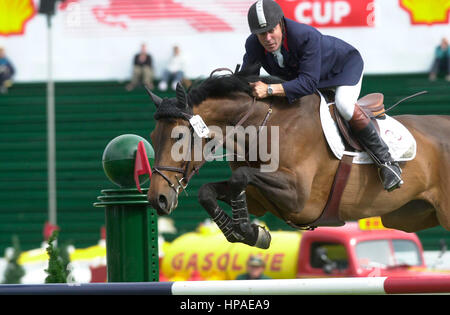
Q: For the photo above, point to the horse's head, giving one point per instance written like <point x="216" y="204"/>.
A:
<point x="221" y="101"/>
<point x="172" y="169"/>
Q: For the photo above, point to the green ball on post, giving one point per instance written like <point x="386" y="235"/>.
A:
<point x="131" y="225"/>
<point x="119" y="158"/>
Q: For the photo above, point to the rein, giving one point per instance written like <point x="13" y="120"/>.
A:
<point x="184" y="171"/>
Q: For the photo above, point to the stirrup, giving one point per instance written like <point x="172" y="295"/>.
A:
<point x="388" y="165"/>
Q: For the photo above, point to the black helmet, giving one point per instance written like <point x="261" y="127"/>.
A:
<point x="264" y="15"/>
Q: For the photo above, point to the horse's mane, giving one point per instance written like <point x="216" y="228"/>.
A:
<point x="224" y="85"/>
<point x="212" y="87"/>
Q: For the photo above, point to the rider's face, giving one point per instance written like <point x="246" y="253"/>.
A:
<point x="272" y="39"/>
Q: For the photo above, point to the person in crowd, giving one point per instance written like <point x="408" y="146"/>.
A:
<point x="142" y="70"/>
<point x="174" y="72"/>
<point x="255" y="269"/>
<point x="6" y="72"/>
<point x="441" y="61"/>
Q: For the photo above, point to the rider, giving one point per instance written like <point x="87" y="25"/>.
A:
<point x="308" y="60"/>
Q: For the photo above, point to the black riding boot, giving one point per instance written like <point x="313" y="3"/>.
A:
<point x="367" y="135"/>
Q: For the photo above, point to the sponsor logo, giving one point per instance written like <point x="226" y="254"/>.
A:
<point x="201" y="16"/>
<point x="330" y="13"/>
<point x="14" y="15"/>
<point x="426" y="11"/>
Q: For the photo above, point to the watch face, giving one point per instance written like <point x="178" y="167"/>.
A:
<point x="269" y="90"/>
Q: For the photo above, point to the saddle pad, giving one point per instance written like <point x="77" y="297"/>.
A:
<point x="400" y="141"/>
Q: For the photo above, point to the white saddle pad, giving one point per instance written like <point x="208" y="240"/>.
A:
<point x="400" y="141"/>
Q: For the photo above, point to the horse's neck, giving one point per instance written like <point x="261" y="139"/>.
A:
<point x="227" y="112"/>
<point x="304" y="111"/>
<point x="299" y="123"/>
<point x="309" y="104"/>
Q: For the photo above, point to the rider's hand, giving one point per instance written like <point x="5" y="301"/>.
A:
<point x="259" y="89"/>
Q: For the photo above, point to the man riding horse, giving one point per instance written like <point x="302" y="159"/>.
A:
<point x="308" y="60"/>
<point x="298" y="190"/>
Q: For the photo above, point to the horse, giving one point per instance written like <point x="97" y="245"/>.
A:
<point x="297" y="190"/>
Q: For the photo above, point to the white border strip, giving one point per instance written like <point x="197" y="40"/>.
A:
<point x="260" y="14"/>
<point x="372" y="285"/>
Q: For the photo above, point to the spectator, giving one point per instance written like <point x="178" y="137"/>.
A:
<point x="255" y="269"/>
<point x="441" y="61"/>
<point x="142" y="69"/>
<point x="6" y="72"/>
<point x="174" y="71"/>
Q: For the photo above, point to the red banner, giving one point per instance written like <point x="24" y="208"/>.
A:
<point x="330" y="13"/>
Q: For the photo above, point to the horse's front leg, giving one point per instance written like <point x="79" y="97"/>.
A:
<point x="208" y="195"/>
<point x="278" y="189"/>
<point x="238" y="228"/>
<point x="255" y="235"/>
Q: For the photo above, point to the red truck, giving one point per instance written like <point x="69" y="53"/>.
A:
<point x="353" y="251"/>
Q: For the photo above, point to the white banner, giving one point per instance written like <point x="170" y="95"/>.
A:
<point x="97" y="39"/>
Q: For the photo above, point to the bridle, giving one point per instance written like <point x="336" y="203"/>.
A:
<point x="184" y="171"/>
<point x="186" y="176"/>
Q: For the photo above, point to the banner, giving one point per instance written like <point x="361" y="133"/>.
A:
<point x="330" y="13"/>
<point x="97" y="39"/>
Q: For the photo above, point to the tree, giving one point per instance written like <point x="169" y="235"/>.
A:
<point x="13" y="272"/>
<point x="56" y="270"/>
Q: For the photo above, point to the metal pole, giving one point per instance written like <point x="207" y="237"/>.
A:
<point x="51" y="151"/>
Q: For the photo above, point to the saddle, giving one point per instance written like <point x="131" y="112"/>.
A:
<point x="373" y="107"/>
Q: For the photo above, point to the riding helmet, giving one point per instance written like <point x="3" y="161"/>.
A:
<point x="264" y="15"/>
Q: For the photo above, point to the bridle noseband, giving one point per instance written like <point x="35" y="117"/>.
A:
<point x="158" y="169"/>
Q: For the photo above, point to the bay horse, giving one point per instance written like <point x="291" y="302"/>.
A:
<point x="297" y="190"/>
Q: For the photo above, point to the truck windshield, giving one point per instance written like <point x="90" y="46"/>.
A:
<point x="387" y="253"/>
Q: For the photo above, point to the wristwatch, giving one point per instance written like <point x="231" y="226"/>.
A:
<point x="269" y="90"/>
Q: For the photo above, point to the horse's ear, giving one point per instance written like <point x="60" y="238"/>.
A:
<point x="181" y="95"/>
<point x="155" y="98"/>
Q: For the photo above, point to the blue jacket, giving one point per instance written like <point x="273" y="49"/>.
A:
<point x="6" y="69"/>
<point x="440" y="53"/>
<point x="311" y="60"/>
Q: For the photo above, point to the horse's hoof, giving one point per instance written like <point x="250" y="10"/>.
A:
<point x="264" y="238"/>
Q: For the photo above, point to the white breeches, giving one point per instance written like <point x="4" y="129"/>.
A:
<point x="346" y="97"/>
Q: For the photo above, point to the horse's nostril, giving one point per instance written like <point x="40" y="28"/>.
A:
<point x="162" y="202"/>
